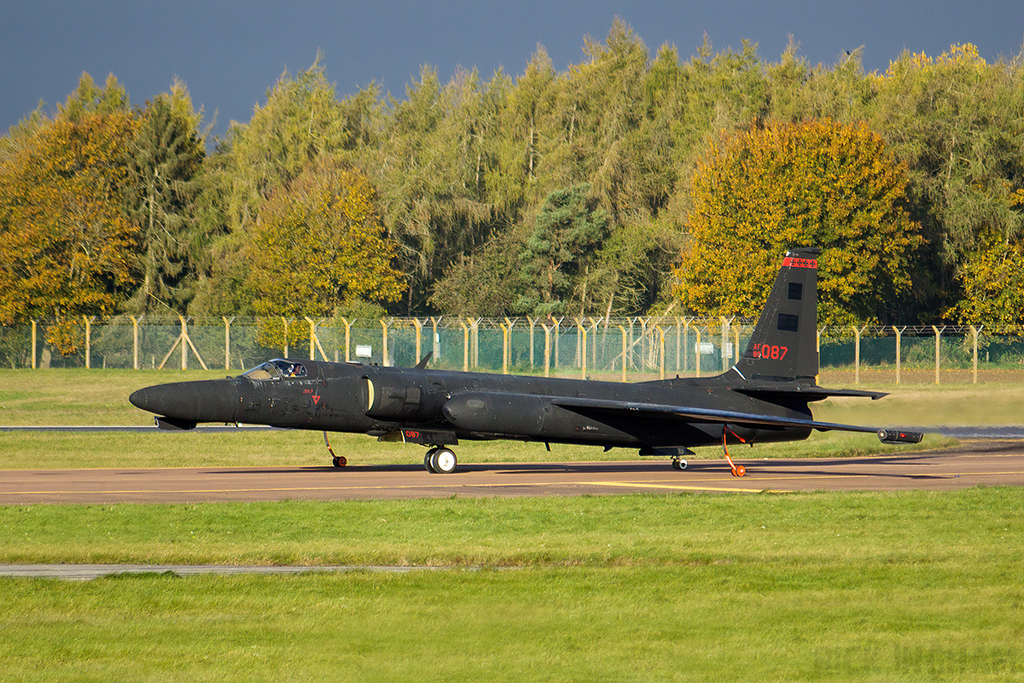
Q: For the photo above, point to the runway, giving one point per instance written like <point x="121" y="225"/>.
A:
<point x="995" y="463"/>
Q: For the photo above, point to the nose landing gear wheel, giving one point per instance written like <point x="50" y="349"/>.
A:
<point x="336" y="460"/>
<point x="679" y="464"/>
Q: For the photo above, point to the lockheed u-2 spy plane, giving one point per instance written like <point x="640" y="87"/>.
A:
<point x="764" y="397"/>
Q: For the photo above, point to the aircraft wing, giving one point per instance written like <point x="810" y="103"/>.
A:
<point x="597" y="407"/>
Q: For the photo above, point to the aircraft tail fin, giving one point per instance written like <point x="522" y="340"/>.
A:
<point x="784" y="344"/>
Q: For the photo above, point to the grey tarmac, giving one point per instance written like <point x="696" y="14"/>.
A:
<point x="973" y="463"/>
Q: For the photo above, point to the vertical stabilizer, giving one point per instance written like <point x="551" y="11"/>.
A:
<point x="784" y="345"/>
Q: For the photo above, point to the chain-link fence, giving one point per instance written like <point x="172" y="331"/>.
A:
<point x="617" y="348"/>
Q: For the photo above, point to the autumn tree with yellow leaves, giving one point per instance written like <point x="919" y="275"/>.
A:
<point x="818" y="183"/>
<point x="68" y="248"/>
<point x="319" y="245"/>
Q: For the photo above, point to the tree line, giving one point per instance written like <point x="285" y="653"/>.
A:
<point x="625" y="184"/>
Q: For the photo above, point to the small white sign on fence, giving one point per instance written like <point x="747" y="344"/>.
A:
<point x="705" y="349"/>
<point x="364" y="351"/>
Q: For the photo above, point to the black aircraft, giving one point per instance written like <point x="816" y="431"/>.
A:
<point x="763" y="398"/>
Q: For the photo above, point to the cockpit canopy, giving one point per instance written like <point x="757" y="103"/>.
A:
<point x="276" y="369"/>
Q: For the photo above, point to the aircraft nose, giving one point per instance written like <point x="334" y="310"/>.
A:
<point x="202" y="401"/>
<point x="140" y="398"/>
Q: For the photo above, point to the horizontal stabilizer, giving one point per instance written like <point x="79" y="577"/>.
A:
<point x="810" y="392"/>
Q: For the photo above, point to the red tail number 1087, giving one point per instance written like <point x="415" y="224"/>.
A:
<point x="770" y="351"/>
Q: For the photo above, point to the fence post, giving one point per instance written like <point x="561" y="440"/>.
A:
<point x="88" y="341"/>
<point x="974" y="335"/>
<point x="696" y="350"/>
<point x="419" y="338"/>
<point x="474" y="327"/>
<point x="511" y="324"/>
<point x="227" y="341"/>
<point x="135" y="341"/>
<point x="856" y="355"/>
<point x="533" y="324"/>
<point x="725" y="342"/>
<point x="678" y="343"/>
<point x="384" y="341"/>
<point x="661" y="349"/>
<point x="899" y="340"/>
<point x="312" y="338"/>
<point x="686" y="344"/>
<point x="184" y="345"/>
<point x="558" y="333"/>
<point x="465" y="346"/>
<point x="625" y="346"/>
<point x="34" y="325"/>
<point x="938" y="336"/>
<point x="736" y="343"/>
<point x="547" y="349"/>
<point x="630" y="350"/>
<point x="348" y="337"/>
<point x="504" y="348"/>
<point x="284" y="321"/>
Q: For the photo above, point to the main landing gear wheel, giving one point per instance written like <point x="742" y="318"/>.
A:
<point x="679" y="464"/>
<point x="442" y="460"/>
<point x="426" y="460"/>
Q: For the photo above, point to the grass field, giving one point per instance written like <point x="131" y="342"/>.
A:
<point x="838" y="587"/>
<point x="914" y="586"/>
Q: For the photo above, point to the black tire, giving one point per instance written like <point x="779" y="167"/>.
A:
<point x="426" y="460"/>
<point x="443" y="461"/>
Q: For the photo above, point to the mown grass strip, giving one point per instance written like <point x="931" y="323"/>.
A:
<point x="973" y="525"/>
<point x="824" y="586"/>
<point x="893" y="622"/>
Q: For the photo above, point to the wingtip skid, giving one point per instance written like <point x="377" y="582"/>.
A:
<point x="898" y="436"/>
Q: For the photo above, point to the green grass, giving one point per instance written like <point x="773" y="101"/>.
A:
<point x="975" y="525"/>
<point x="653" y="624"/>
<point x="911" y="586"/>
<point x="839" y="587"/>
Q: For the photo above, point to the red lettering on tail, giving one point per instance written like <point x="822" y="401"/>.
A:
<point x="770" y="351"/>
<point x="800" y="262"/>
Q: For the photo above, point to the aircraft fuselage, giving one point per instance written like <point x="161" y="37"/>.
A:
<point x="439" y="407"/>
